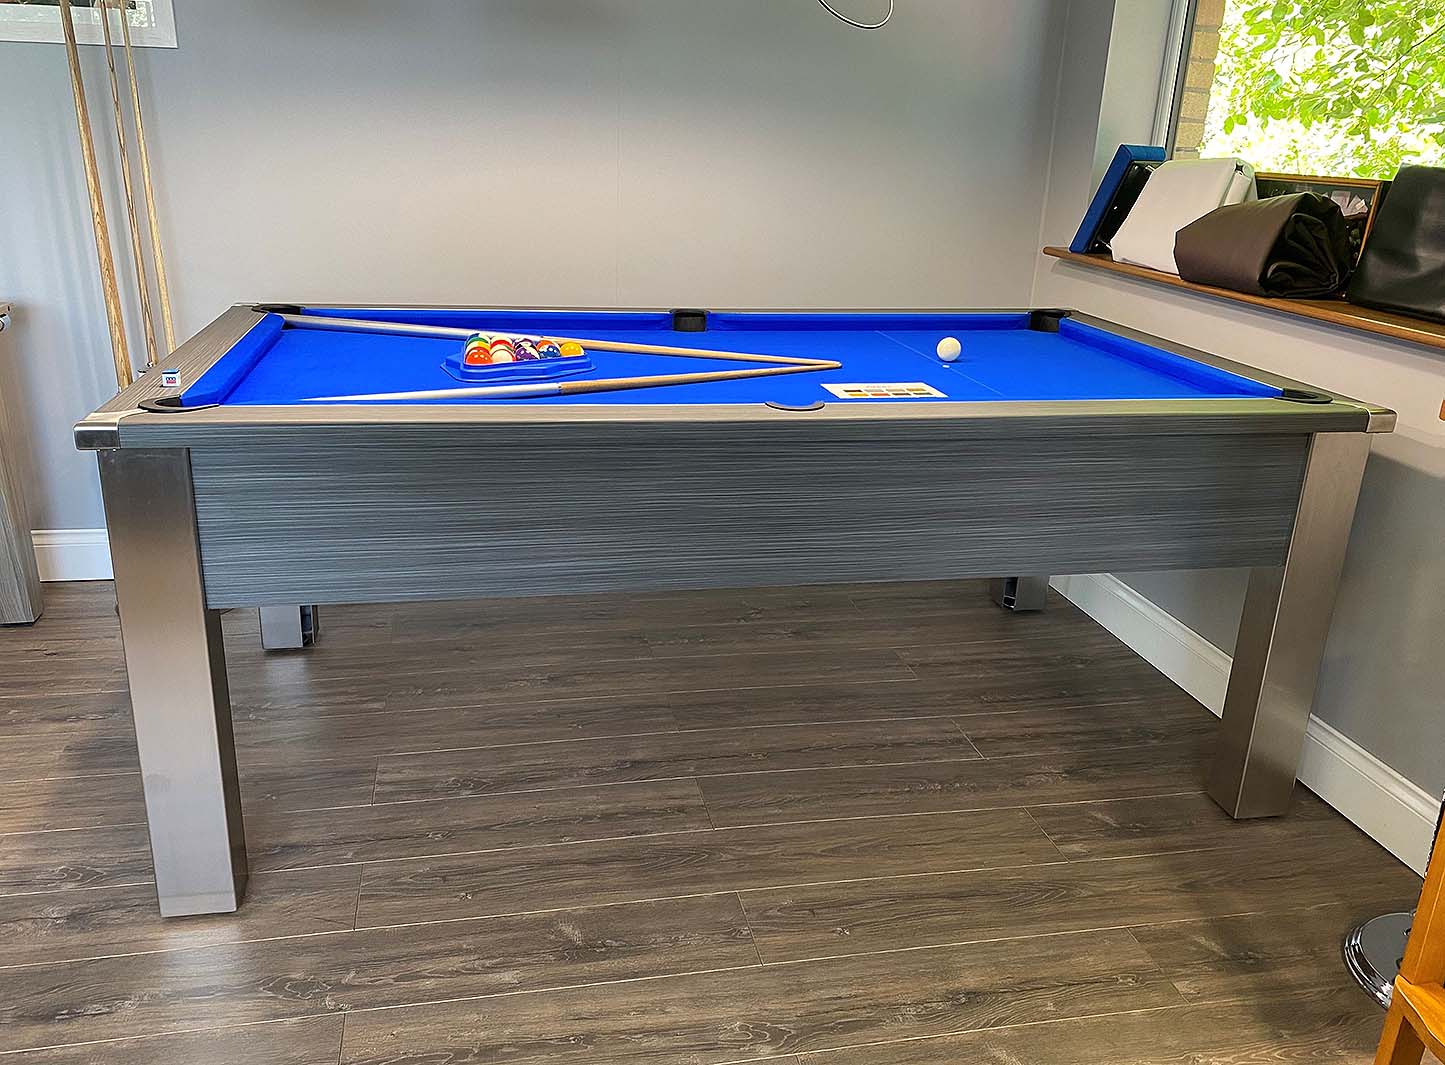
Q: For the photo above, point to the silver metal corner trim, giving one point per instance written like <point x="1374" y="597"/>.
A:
<point x="1380" y="420"/>
<point x="101" y="431"/>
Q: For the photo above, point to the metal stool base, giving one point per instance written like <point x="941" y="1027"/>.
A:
<point x="1373" y="951"/>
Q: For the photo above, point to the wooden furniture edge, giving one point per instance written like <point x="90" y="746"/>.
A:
<point x="1334" y="312"/>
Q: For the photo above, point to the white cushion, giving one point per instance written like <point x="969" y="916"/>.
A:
<point x="1177" y="193"/>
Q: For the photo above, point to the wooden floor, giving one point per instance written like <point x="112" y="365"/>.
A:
<point x="850" y="825"/>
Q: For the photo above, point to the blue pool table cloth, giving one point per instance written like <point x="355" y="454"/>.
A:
<point x="1003" y="358"/>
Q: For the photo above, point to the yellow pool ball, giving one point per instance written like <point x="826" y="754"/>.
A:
<point x="572" y="349"/>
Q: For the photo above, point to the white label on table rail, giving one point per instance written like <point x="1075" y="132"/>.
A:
<point x="887" y="390"/>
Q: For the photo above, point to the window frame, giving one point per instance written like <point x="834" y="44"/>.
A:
<point x="1172" y="78"/>
<point x="40" y="23"/>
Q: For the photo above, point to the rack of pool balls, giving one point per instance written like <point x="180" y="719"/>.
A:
<point x="496" y="349"/>
<point x="499" y="356"/>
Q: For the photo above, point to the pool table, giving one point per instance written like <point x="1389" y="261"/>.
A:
<point x="1055" y="444"/>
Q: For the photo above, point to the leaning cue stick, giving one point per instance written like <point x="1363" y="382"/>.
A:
<point x="446" y="332"/>
<point x="114" y="320"/>
<point x="157" y="255"/>
<point x="579" y="388"/>
<point x="142" y="280"/>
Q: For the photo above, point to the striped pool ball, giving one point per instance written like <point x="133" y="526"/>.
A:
<point x="526" y="350"/>
<point x="478" y="351"/>
<point x="548" y="349"/>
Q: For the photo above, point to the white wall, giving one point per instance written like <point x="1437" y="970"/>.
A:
<point x="601" y="152"/>
<point x="1384" y="671"/>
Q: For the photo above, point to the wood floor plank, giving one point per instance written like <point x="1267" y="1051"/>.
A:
<point x="966" y="598"/>
<point x="73" y="674"/>
<point x="1112" y="829"/>
<point x="310" y="1042"/>
<point x="279" y="839"/>
<point x="22" y="648"/>
<point x="864" y="632"/>
<point x="566" y="676"/>
<point x="633" y="611"/>
<point x="1336" y="1027"/>
<point x="481" y="771"/>
<point x="774" y="1011"/>
<point x="987" y="651"/>
<point x="111" y="856"/>
<point x="516" y="646"/>
<point x="694" y="862"/>
<point x="56" y="926"/>
<point x="43" y="709"/>
<point x="73" y="749"/>
<point x="765" y="798"/>
<point x="277" y="979"/>
<point x="1330" y="869"/>
<point x="1170" y="719"/>
<point x="95" y="800"/>
<point x="53" y="803"/>
<point x="1234" y="959"/>
<point x="280" y="735"/>
<point x="575" y="677"/>
<point x="309" y="785"/>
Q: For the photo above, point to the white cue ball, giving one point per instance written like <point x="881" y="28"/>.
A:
<point x="949" y="349"/>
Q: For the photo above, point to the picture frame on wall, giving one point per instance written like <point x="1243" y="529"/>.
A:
<point x="1358" y="198"/>
<point x="152" y="22"/>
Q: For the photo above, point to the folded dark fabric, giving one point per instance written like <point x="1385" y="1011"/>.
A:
<point x="1403" y="265"/>
<point x="1290" y="247"/>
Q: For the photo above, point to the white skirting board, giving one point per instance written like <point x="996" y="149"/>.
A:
<point x="72" y="554"/>
<point x="1393" y="811"/>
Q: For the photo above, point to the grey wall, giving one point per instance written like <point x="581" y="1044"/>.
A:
<point x="611" y="152"/>
<point x="1384" y="669"/>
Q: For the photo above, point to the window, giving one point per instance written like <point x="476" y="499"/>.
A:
<point x="1344" y="88"/>
<point x="152" y="22"/>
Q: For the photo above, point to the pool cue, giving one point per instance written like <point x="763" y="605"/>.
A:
<point x="142" y="279"/>
<point x="158" y="257"/>
<point x="113" y="317"/>
<point x="446" y="332"/>
<point x="579" y="388"/>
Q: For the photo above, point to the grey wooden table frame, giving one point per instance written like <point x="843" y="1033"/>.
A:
<point x="203" y="508"/>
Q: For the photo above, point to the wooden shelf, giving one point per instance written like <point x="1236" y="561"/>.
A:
<point x="1335" y="312"/>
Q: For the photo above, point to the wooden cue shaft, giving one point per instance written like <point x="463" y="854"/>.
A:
<point x="158" y="257"/>
<point x="692" y="353"/>
<point x="142" y="280"/>
<point x="111" y="291"/>
<point x="619" y="384"/>
<point x="523" y="390"/>
<point x="447" y="332"/>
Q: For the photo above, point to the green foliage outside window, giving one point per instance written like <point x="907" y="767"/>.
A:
<point x="1336" y="87"/>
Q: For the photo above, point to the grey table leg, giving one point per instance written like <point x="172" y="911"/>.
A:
<point x="289" y="628"/>
<point x="1020" y="593"/>
<point x="1282" y="637"/>
<point x="179" y="697"/>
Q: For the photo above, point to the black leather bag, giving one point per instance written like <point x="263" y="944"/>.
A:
<point x="1288" y="247"/>
<point x="1402" y="268"/>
